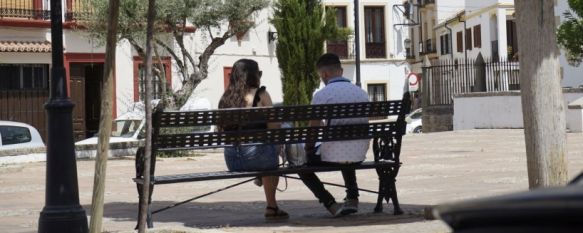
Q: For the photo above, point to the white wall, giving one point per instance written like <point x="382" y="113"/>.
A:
<point x="448" y="8"/>
<point x="503" y="110"/>
<point x="254" y="45"/>
<point x="390" y="73"/>
<point x="124" y="77"/>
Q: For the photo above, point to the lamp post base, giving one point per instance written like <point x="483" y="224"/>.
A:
<point x="62" y="219"/>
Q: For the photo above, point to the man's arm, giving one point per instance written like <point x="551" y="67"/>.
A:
<point x="311" y="147"/>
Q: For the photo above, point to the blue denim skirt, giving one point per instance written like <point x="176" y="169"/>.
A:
<point x="251" y="158"/>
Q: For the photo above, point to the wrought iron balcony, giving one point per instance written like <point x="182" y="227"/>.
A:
<point x="36" y="10"/>
<point x="23" y="9"/>
<point x="343" y="48"/>
<point x="428" y="47"/>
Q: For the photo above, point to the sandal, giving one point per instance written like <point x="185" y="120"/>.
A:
<point x="274" y="213"/>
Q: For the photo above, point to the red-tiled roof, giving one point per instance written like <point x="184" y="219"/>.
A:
<point x="25" y="46"/>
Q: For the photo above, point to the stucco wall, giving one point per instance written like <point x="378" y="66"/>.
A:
<point x="495" y="110"/>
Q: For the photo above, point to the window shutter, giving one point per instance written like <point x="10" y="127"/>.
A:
<point x="477" y="36"/>
<point x="460" y="42"/>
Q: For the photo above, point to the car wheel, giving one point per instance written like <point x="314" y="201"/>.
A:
<point x="418" y="129"/>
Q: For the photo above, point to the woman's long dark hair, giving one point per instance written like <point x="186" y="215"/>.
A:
<point x="244" y="76"/>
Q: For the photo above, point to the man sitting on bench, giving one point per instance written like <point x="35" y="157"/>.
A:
<point x="337" y="90"/>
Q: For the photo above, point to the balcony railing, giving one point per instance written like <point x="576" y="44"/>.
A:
<point x="428" y="47"/>
<point x="376" y="50"/>
<point x="35" y="10"/>
<point x="77" y="10"/>
<point x="339" y="48"/>
<point x="27" y="9"/>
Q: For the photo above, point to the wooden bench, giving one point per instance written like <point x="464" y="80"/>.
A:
<point x="172" y="131"/>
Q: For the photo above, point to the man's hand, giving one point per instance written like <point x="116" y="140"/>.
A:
<point x="310" y="149"/>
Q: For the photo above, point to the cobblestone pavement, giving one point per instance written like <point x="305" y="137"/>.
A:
<point x="437" y="168"/>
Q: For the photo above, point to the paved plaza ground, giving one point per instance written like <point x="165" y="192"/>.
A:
<point x="437" y="168"/>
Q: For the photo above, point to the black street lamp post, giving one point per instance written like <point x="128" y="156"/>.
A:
<point x="357" y="41"/>
<point x="62" y="211"/>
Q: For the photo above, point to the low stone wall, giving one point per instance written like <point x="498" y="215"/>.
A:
<point x="118" y="149"/>
<point x="500" y="110"/>
<point x="437" y="118"/>
<point x="15" y="152"/>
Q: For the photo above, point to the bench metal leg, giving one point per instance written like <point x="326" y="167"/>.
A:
<point x="387" y="190"/>
<point x="393" y="194"/>
<point x="382" y="192"/>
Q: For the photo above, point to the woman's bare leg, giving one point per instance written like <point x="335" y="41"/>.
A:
<point x="270" y="186"/>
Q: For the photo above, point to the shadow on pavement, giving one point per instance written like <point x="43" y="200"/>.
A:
<point x="250" y="214"/>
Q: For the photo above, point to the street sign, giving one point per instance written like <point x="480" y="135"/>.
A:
<point x="413" y="80"/>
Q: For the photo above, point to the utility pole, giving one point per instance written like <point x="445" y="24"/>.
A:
<point x="357" y="41"/>
<point x="542" y="96"/>
<point x="62" y="211"/>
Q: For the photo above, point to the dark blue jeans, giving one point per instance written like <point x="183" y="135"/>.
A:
<point x="315" y="185"/>
<point x="251" y="158"/>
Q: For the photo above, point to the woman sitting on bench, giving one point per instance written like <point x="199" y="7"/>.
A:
<point x="245" y="91"/>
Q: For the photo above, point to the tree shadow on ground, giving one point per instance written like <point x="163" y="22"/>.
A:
<point x="303" y="213"/>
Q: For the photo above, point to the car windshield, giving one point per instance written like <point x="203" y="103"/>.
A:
<point x="125" y="128"/>
<point x="416" y="115"/>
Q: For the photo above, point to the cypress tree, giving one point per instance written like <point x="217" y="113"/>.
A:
<point x="302" y="28"/>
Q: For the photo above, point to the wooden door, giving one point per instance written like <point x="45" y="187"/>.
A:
<point x="78" y="98"/>
<point x="92" y="104"/>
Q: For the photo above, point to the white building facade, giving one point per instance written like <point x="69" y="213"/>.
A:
<point x="25" y="59"/>
<point x="489" y="28"/>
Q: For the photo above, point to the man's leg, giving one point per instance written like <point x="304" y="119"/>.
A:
<point x="351" y="201"/>
<point x="349" y="176"/>
<point x="315" y="185"/>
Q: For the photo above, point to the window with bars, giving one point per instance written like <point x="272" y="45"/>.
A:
<point x="338" y="47"/>
<point x="377" y="92"/>
<point x="156" y="82"/>
<point x="445" y="44"/>
<point x="374" y="24"/>
<point x="24" y="76"/>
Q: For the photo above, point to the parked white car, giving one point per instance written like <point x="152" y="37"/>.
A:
<point x="128" y="130"/>
<point x="414" y="124"/>
<point x="16" y="135"/>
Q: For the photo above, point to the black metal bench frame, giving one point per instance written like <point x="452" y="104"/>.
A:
<point x="386" y="138"/>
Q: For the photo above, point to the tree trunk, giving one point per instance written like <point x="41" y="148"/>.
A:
<point x="147" y="103"/>
<point x="105" y="120"/>
<point x="542" y="97"/>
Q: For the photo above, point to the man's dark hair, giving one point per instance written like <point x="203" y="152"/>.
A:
<point x="329" y="60"/>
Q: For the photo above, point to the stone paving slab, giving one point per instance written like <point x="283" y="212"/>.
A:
<point x="437" y="168"/>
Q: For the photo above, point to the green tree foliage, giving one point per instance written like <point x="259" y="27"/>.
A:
<point x="302" y="28"/>
<point x="210" y="16"/>
<point x="570" y="34"/>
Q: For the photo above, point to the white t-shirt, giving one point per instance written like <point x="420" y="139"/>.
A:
<point x="340" y="90"/>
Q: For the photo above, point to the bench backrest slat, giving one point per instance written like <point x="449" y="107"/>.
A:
<point x="275" y="136"/>
<point x="277" y="114"/>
